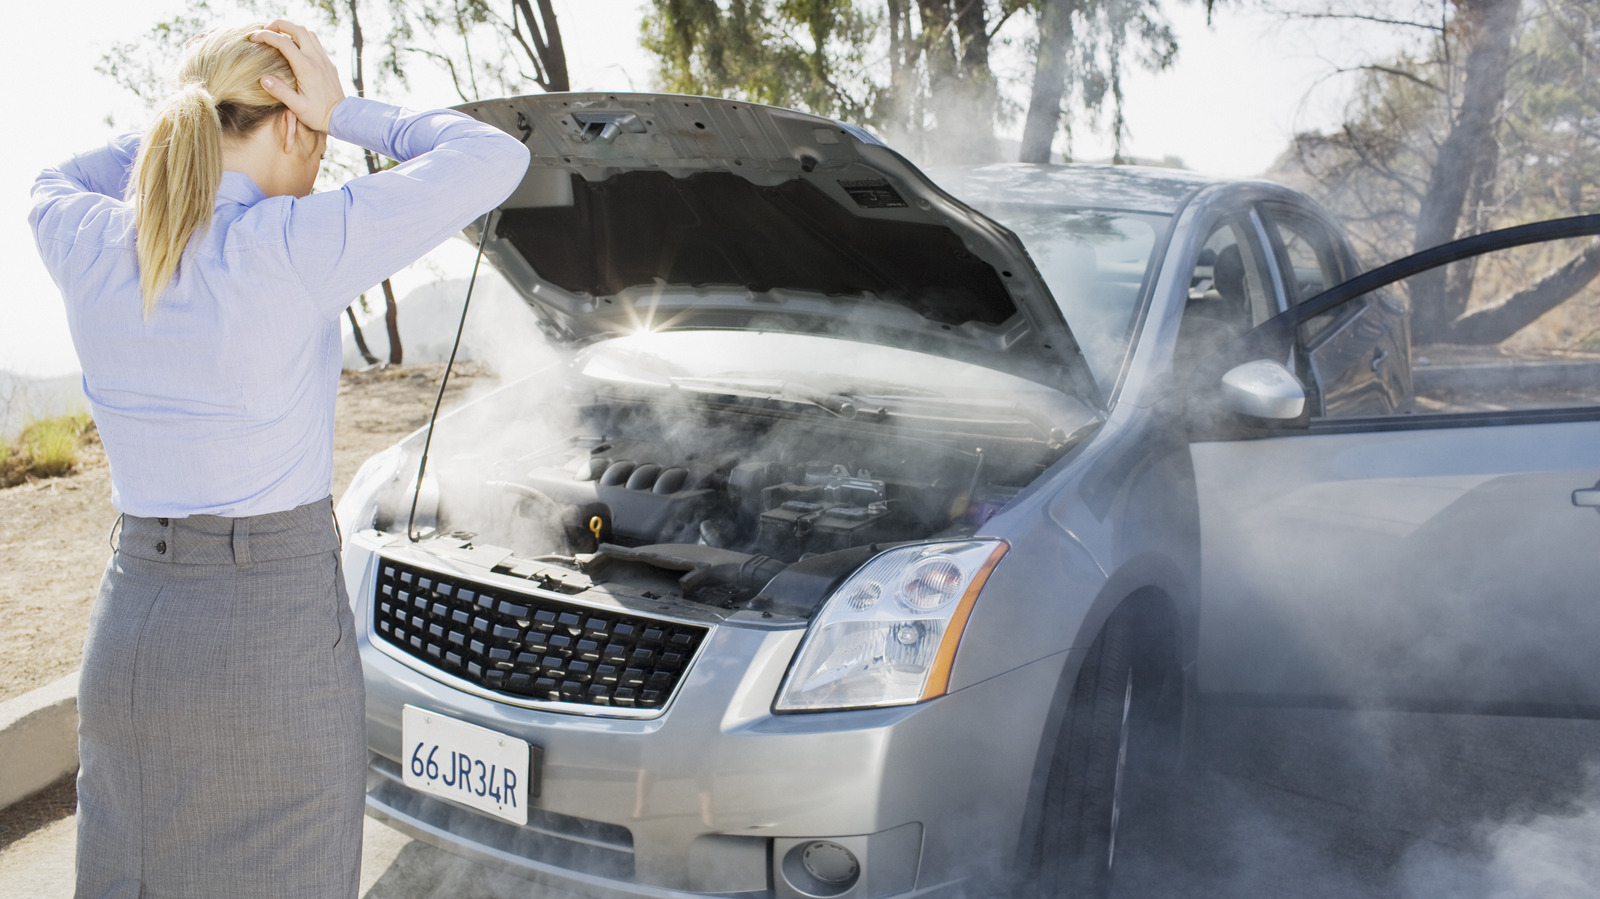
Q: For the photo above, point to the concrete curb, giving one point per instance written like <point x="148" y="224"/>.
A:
<point x="38" y="739"/>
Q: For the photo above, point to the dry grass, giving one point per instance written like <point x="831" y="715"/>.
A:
<point x="45" y="449"/>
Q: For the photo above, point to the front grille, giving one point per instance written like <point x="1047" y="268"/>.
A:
<point x="529" y="647"/>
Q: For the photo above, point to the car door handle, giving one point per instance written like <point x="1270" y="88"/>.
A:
<point x="1378" y="357"/>
<point x="1589" y="497"/>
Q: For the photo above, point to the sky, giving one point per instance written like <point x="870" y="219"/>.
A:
<point x="1240" y="89"/>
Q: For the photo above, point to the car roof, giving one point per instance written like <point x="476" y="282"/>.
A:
<point x="1126" y="187"/>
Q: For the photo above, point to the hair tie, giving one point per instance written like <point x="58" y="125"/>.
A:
<point x="198" y="90"/>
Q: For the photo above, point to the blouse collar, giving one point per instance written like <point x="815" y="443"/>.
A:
<point x="237" y="187"/>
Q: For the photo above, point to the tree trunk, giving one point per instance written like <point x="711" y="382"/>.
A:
<point x="391" y="321"/>
<point x="1049" y="81"/>
<point x="980" y="95"/>
<point x="547" y="53"/>
<point x="361" y="340"/>
<point x="1490" y="326"/>
<point x="962" y="94"/>
<point x="1488" y="28"/>
<point x="903" y="119"/>
<point x="972" y="33"/>
<point x="937" y="41"/>
<point x="819" y="20"/>
<point x="899" y="36"/>
<point x="901" y="62"/>
<point x="391" y="312"/>
<point x="555" y="50"/>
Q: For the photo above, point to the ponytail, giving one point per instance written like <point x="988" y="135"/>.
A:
<point x="179" y="167"/>
<point x="175" y="184"/>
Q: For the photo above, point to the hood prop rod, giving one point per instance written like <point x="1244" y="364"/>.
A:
<point x="427" y="442"/>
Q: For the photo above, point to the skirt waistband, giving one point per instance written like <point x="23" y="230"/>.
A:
<point x="214" y="540"/>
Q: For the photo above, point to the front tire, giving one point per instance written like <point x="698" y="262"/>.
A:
<point x="1114" y="731"/>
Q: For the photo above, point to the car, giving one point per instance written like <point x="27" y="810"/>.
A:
<point x="864" y="541"/>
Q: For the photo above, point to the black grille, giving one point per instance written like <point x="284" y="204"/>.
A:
<point x="530" y="647"/>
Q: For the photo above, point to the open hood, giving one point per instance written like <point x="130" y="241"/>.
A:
<point x="657" y="211"/>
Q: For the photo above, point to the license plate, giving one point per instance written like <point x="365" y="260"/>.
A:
<point x="463" y="762"/>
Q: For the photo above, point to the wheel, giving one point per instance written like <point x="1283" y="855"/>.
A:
<point x="1118" y="729"/>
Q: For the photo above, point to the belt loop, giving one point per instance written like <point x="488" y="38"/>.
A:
<point x="241" y="542"/>
<point x="115" y="532"/>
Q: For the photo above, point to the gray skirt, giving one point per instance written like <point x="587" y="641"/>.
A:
<point x="221" y="727"/>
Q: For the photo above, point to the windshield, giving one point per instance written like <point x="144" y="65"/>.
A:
<point x="1094" y="263"/>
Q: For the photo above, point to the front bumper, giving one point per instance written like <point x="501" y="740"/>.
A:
<point x="719" y="796"/>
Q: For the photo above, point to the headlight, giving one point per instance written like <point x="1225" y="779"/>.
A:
<point x="888" y="635"/>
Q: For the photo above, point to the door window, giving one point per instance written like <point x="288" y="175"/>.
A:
<point x="1309" y="258"/>
<point x="1228" y="293"/>
<point x="1522" y="336"/>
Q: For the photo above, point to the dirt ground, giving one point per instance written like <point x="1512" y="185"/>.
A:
<point x="55" y="534"/>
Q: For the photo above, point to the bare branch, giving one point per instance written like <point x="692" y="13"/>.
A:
<point x="450" y="66"/>
<point x="1398" y="73"/>
<point x="1357" y="146"/>
<point x="1436" y="28"/>
<point x="522" y="41"/>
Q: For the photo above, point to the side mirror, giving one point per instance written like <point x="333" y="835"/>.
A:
<point x="1264" y="389"/>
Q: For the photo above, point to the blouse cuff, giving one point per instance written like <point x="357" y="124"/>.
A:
<point x="363" y="122"/>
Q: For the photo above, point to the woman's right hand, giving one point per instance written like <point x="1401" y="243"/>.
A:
<point x="320" y="88"/>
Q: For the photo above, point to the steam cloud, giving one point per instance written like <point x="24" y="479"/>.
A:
<point x="1336" y="804"/>
<point x="1300" y="802"/>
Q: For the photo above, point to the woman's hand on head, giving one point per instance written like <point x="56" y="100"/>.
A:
<point x="320" y="88"/>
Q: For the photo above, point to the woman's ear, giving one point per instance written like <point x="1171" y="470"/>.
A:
<point x="291" y="130"/>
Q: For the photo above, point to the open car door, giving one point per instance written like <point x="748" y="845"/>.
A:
<point x="1437" y="550"/>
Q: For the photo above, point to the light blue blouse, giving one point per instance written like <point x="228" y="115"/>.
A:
<point x="222" y="402"/>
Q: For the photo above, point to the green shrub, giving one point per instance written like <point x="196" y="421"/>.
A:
<point x="52" y="446"/>
<point x="45" y="449"/>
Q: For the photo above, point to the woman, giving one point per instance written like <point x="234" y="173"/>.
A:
<point x="220" y="704"/>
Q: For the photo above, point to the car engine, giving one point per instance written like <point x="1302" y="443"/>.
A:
<point x="709" y="498"/>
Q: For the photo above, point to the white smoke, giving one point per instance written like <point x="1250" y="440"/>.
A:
<point x="1349" y="803"/>
<point x="1551" y="854"/>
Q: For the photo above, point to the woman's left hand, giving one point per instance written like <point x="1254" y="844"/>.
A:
<point x="320" y="88"/>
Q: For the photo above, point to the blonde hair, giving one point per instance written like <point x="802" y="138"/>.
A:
<point x="180" y="158"/>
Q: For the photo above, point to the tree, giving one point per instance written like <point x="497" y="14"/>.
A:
<point x="1494" y="121"/>
<point x="481" y="51"/>
<point x="1081" y="46"/>
<point x="1466" y="159"/>
<point x="1550" y="161"/>
<point x="918" y="70"/>
<point x="1050" y="75"/>
<point x="807" y="54"/>
<point x="962" y="94"/>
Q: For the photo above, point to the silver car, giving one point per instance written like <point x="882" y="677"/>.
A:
<point x="871" y="542"/>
